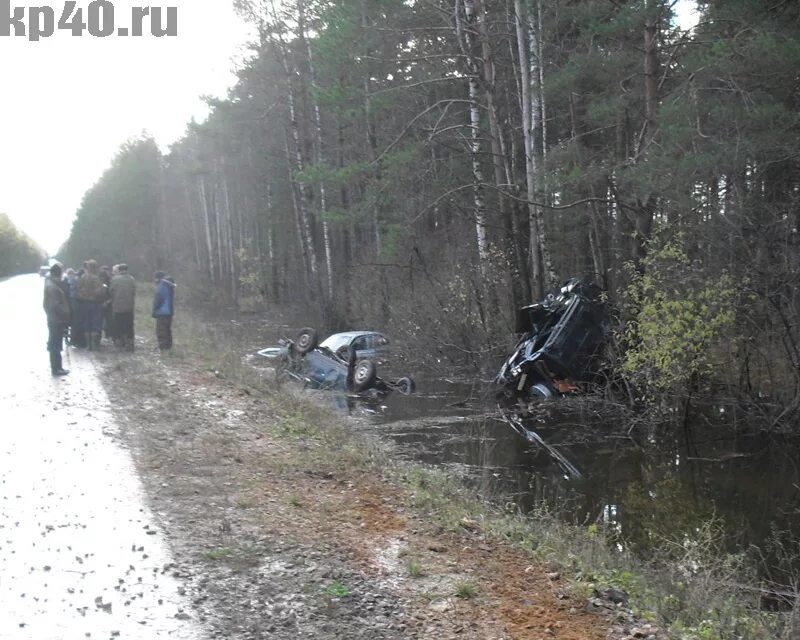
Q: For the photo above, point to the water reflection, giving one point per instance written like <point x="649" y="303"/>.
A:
<point x="649" y="485"/>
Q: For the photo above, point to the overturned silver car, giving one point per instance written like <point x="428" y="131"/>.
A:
<point x="342" y="362"/>
<point x="561" y="343"/>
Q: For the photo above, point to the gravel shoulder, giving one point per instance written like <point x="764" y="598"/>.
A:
<point x="283" y="523"/>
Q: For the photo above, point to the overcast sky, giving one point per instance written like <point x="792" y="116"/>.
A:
<point x="68" y="103"/>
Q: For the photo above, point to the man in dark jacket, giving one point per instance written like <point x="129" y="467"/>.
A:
<point x="91" y="294"/>
<point x="56" y="306"/>
<point x="123" y="298"/>
<point x="76" y="337"/>
<point x="164" y="309"/>
<point x="105" y="276"/>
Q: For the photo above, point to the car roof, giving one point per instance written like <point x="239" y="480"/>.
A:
<point x="336" y="340"/>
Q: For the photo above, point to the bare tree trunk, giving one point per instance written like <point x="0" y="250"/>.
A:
<point x="594" y="231"/>
<point x="298" y="217"/>
<point x="643" y="208"/>
<point x="344" y="200"/>
<point x="220" y="233"/>
<point x="372" y="139"/>
<point x="195" y="240"/>
<point x="467" y="32"/>
<point x="519" y="249"/>
<point x="537" y="281"/>
<point x="498" y="155"/>
<point x="230" y="249"/>
<point x="319" y="150"/>
<point x="500" y="164"/>
<point x="273" y="265"/>
<point x="201" y="188"/>
<point x="542" y="101"/>
<point x="307" y="236"/>
<point x="536" y="76"/>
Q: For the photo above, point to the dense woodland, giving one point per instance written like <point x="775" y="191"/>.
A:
<point x="425" y="167"/>
<point x="18" y="252"/>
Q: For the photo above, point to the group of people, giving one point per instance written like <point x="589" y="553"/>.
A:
<point x="85" y="305"/>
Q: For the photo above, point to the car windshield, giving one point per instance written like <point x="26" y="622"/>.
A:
<point x="336" y="341"/>
<point x="360" y="339"/>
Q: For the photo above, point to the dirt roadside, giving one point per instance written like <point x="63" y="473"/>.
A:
<point x="283" y="525"/>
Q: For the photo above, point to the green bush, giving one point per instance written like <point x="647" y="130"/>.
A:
<point x="678" y="316"/>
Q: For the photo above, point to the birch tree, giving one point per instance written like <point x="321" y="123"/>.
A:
<point x="529" y="117"/>
<point x="466" y="29"/>
<point x="318" y="144"/>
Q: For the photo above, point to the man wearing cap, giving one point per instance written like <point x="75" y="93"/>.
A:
<point x="56" y="306"/>
<point x="164" y="309"/>
<point x="123" y="298"/>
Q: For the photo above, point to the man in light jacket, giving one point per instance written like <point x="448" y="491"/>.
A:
<point x="164" y="309"/>
<point x="56" y="306"/>
<point x="123" y="300"/>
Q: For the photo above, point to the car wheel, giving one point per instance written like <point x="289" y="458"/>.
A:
<point x="364" y="375"/>
<point x="306" y="340"/>
<point x="541" y="390"/>
<point x="405" y="386"/>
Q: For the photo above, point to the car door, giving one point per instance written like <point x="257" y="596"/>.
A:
<point x="362" y="346"/>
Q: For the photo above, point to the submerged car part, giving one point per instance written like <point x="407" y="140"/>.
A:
<point x="533" y="437"/>
<point x="562" y="337"/>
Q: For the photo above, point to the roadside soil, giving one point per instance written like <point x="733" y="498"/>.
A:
<point x="282" y="525"/>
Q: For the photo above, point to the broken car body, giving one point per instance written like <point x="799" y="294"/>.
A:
<point x="562" y="337"/>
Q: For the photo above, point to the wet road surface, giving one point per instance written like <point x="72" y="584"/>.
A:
<point x="81" y="554"/>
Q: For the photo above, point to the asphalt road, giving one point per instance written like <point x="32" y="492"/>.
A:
<point x="81" y="554"/>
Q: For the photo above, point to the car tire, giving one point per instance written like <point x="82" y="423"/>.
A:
<point x="540" y="390"/>
<point x="405" y="386"/>
<point x="364" y="375"/>
<point x="306" y="340"/>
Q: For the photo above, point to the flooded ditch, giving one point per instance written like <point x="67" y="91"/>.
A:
<point x="589" y="470"/>
<point x="650" y="485"/>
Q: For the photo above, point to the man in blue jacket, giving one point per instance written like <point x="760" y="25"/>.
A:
<point x="164" y="309"/>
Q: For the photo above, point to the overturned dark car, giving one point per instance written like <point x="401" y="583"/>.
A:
<point x="343" y="362"/>
<point x="561" y="344"/>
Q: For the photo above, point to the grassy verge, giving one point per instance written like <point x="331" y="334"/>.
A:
<point x="694" y="590"/>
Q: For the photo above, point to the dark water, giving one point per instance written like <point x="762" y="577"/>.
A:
<point x="644" y="484"/>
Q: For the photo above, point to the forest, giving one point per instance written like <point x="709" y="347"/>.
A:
<point x="425" y="168"/>
<point x="18" y="252"/>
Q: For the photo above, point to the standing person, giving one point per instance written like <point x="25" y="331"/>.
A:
<point x="91" y="294"/>
<point x="76" y="338"/>
<point x="164" y="309"/>
<point x="123" y="299"/>
<point x="56" y="306"/>
<point x="105" y="276"/>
